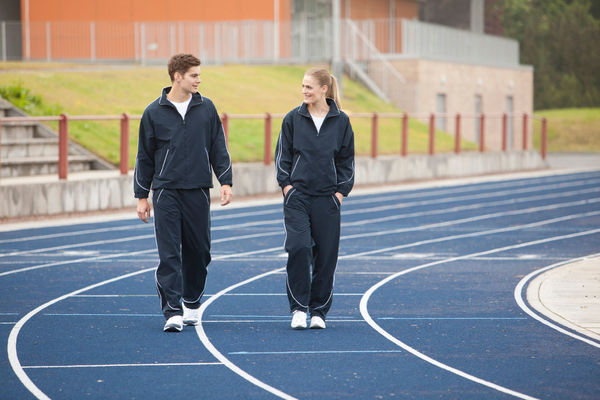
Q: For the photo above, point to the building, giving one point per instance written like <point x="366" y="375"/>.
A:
<point x="425" y="56"/>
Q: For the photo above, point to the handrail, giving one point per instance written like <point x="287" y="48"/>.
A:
<point x="125" y="119"/>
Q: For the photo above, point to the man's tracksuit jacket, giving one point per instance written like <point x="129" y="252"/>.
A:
<point x="317" y="165"/>
<point x="176" y="158"/>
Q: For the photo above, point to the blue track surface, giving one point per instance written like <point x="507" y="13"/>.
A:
<point x="424" y="304"/>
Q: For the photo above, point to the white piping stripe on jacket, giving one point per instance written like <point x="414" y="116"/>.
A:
<point x="228" y="155"/>
<point x="164" y="162"/>
<point x="278" y="157"/>
<point x="295" y="165"/>
<point x="349" y="179"/>
<point x="136" y="177"/>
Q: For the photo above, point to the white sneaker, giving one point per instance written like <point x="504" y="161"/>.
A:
<point x="299" y="320"/>
<point x="174" y="324"/>
<point x="190" y="316"/>
<point x="317" y="322"/>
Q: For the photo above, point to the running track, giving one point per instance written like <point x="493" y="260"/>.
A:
<point x="425" y="305"/>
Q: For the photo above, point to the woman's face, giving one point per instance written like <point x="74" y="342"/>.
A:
<point x="312" y="91"/>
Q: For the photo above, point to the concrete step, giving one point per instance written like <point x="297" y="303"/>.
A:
<point x="47" y="165"/>
<point x="32" y="147"/>
<point x="20" y="130"/>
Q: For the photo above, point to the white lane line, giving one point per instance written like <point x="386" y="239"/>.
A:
<point x="192" y="364"/>
<point x="13" y="357"/>
<point x="518" y="294"/>
<point x="472" y="207"/>
<point x="472" y="234"/>
<point x="367" y="317"/>
<point x="14" y="333"/>
<point x="118" y="255"/>
<point x="472" y="187"/>
<point x="467" y="198"/>
<point x="362" y="222"/>
<point x="127" y="239"/>
<point x="543" y="182"/>
<point x="237" y="353"/>
<point x="209" y="346"/>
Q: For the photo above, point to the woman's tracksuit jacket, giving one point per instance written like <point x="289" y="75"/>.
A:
<point x="176" y="158"/>
<point x="317" y="165"/>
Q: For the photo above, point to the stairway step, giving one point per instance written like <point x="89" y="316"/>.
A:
<point x="31" y="147"/>
<point x="48" y="165"/>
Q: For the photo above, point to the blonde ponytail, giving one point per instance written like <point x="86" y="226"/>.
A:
<point x="326" y="79"/>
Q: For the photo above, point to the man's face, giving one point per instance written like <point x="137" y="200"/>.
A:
<point x="190" y="81"/>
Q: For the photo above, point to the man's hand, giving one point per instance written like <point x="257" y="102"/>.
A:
<point x="143" y="210"/>
<point x="286" y="190"/>
<point x="226" y="195"/>
<point x="339" y="196"/>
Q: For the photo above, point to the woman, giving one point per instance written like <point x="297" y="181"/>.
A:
<point x="315" y="169"/>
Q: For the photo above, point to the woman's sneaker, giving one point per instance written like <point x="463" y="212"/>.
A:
<point x="190" y="315"/>
<point x="317" y="322"/>
<point x="174" y="324"/>
<point x="299" y="320"/>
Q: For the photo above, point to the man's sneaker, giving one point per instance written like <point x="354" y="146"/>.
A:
<point x="190" y="316"/>
<point x="174" y="324"/>
<point x="299" y="320"/>
<point x="317" y="322"/>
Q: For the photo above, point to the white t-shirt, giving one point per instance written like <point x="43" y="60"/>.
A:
<point x="318" y="122"/>
<point x="182" y="107"/>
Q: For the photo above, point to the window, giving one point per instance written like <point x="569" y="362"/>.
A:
<point x="509" y="123"/>
<point x="440" y="121"/>
<point x="478" y="109"/>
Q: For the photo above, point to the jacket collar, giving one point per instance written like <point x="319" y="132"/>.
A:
<point x="196" y="97"/>
<point x="333" y="109"/>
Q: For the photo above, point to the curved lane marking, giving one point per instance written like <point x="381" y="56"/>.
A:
<point x="521" y="301"/>
<point x="365" y="312"/>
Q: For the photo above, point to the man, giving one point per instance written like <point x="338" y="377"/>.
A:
<point x="181" y="141"/>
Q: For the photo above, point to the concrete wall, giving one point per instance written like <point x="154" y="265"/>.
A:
<point x="461" y="83"/>
<point x="104" y="190"/>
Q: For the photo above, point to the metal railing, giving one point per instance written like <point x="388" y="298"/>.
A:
<point x="251" y="41"/>
<point x="63" y="132"/>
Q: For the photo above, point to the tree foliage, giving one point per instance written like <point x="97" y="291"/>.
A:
<point x="561" y="39"/>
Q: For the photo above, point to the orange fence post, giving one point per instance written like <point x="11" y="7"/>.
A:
<point x="544" y="138"/>
<point x="504" y="125"/>
<point x="404" y="148"/>
<point x="63" y="146"/>
<point x="124" y="164"/>
<point x="457" y="135"/>
<point x="482" y="133"/>
<point x="374" y="136"/>
<point x="267" y="155"/>
<point x="0" y="149"/>
<point x="525" y="131"/>
<point x="431" y="133"/>
<point x="225" y="123"/>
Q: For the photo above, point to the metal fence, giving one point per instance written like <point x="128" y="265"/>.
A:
<point x="299" y="40"/>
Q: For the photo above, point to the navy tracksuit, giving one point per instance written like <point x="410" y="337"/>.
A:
<point x="175" y="159"/>
<point x="317" y="165"/>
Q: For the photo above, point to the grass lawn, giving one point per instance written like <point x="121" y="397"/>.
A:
<point x="235" y="89"/>
<point x="569" y="129"/>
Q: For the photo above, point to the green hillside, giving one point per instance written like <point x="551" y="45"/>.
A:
<point x="235" y="89"/>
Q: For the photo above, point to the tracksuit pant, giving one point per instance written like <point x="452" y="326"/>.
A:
<point x="312" y="225"/>
<point x="182" y="229"/>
